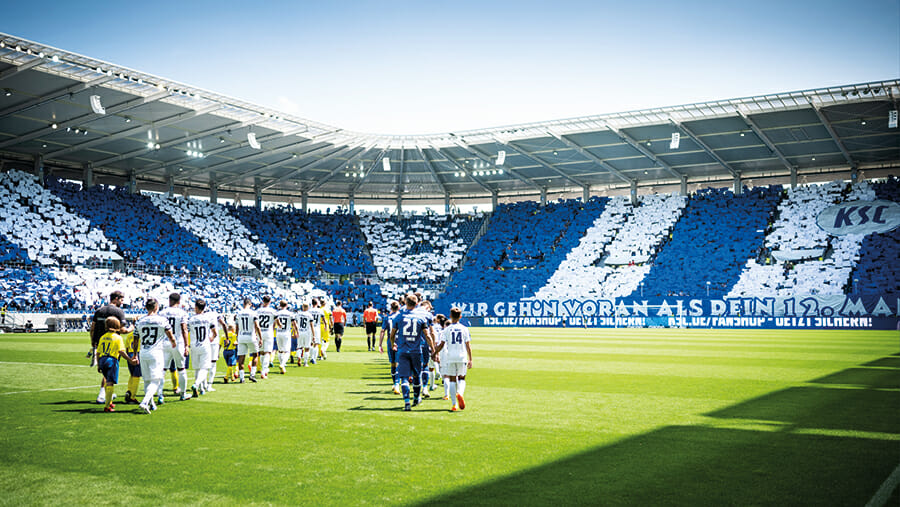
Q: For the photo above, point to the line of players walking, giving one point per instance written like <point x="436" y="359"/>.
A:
<point x="161" y="338"/>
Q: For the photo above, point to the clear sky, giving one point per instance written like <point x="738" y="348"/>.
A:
<point x="413" y="67"/>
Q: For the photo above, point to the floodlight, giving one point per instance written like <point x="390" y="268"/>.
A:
<point x="501" y="157"/>
<point x="251" y="138"/>
<point x="96" y="106"/>
<point x="676" y="140"/>
<point x="54" y="126"/>
<point x="892" y="119"/>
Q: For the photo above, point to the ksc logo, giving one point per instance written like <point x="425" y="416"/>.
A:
<point x="860" y="217"/>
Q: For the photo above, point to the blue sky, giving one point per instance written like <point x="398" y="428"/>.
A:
<point x="402" y="67"/>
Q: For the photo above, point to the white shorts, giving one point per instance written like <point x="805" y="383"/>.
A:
<point x="304" y="341"/>
<point x="200" y="358"/>
<point x="152" y="367"/>
<point x="213" y="352"/>
<point x="268" y="344"/>
<point x="453" y="369"/>
<point x="284" y="343"/>
<point x="173" y="354"/>
<point x="246" y="348"/>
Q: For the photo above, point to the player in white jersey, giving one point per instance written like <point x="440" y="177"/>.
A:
<point x="149" y="331"/>
<point x="304" y="322"/>
<point x="249" y="341"/>
<point x="285" y="327"/>
<point x="177" y="318"/>
<point x="318" y="318"/>
<point x="266" y="318"/>
<point x="457" y="359"/>
<point x="202" y="327"/>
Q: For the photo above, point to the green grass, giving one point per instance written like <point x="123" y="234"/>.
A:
<point x="562" y="416"/>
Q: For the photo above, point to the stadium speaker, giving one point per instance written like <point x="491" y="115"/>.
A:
<point x="251" y="138"/>
<point x="96" y="105"/>
<point x="675" y="142"/>
<point x="501" y="157"/>
<point x="892" y="119"/>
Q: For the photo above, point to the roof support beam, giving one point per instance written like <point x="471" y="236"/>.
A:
<point x="430" y="167"/>
<point x="369" y="170"/>
<point x="706" y="148"/>
<point x="765" y="139"/>
<point x="337" y="169"/>
<point x="77" y="121"/>
<point x="590" y="156"/>
<point x="644" y="151"/>
<point x="62" y="92"/>
<point x="264" y="167"/>
<point x="216" y="151"/>
<point x="537" y="160"/>
<point x="465" y="171"/>
<point x="305" y="167"/>
<point x="402" y="168"/>
<point x="175" y="142"/>
<point x="834" y="137"/>
<point x="487" y="159"/>
<point x="20" y="68"/>
<point x="136" y="130"/>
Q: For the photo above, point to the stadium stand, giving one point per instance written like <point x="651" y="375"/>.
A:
<point x="355" y="294"/>
<point x="804" y="259"/>
<point x="220" y="231"/>
<point x="716" y="234"/>
<point x="38" y="223"/>
<point x="10" y="253"/>
<point x="522" y="246"/>
<point x="414" y="252"/>
<point x="613" y="257"/>
<point x="308" y="243"/>
<point x="35" y="290"/>
<point x="877" y="271"/>
<point x="145" y="236"/>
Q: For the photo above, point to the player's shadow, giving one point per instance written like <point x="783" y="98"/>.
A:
<point x="831" y="442"/>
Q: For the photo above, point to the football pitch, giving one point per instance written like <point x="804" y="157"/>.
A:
<point x="554" y="416"/>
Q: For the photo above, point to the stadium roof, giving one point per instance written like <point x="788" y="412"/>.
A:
<point x="162" y="132"/>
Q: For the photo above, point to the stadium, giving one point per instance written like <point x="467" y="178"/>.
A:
<point x="671" y="304"/>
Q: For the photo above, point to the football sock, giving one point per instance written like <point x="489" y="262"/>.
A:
<point x="337" y="344"/>
<point x="447" y="388"/>
<point x="283" y="358"/>
<point x="405" y="389"/>
<point x="395" y="377"/>
<point x="150" y="389"/>
<point x="109" y="394"/>
<point x="200" y="381"/>
<point x="431" y="379"/>
<point x="452" y="392"/>
<point x="174" y="382"/>
<point x="241" y="374"/>
<point x="425" y="378"/>
<point x="182" y="380"/>
<point x="133" y="384"/>
<point x="462" y="387"/>
<point x="102" y="394"/>
<point x="228" y="372"/>
<point x="417" y="390"/>
<point x="253" y="371"/>
<point x="212" y="373"/>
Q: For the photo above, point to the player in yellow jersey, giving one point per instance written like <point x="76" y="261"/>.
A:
<point x="228" y="344"/>
<point x="109" y="349"/>
<point x="134" y="370"/>
<point x="326" y="326"/>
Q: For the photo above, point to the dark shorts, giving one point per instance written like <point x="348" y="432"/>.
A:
<point x="109" y="367"/>
<point x="230" y="357"/>
<point x="371" y="327"/>
<point x="338" y="328"/>
<point x="293" y="344"/>
<point x="409" y="365"/>
<point x="134" y="369"/>
<point x="392" y="354"/>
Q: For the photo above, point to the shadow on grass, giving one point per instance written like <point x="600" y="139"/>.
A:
<point x="801" y="459"/>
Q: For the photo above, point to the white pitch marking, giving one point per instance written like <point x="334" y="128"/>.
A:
<point x="47" y="364"/>
<point x="45" y="390"/>
<point x="887" y="487"/>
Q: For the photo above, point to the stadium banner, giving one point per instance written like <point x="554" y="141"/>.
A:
<point x="797" y="312"/>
